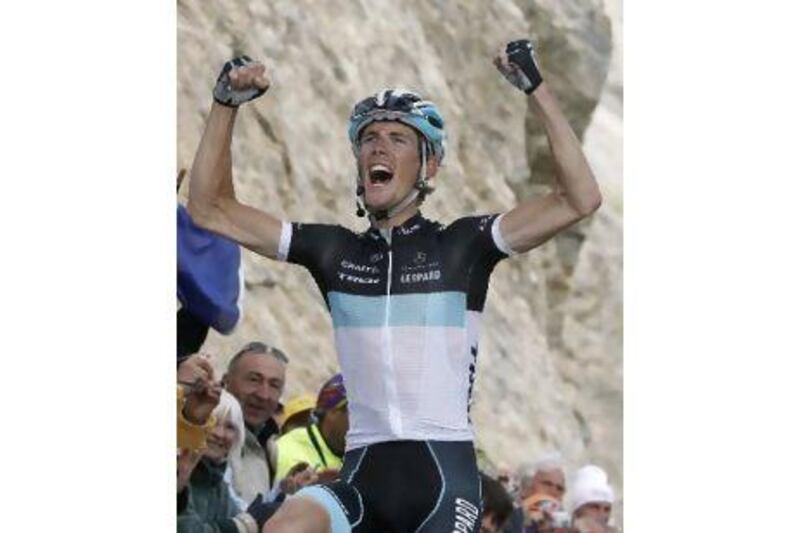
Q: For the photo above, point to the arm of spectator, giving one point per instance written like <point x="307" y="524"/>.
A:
<point x="187" y="460"/>
<point x="198" y="395"/>
<point x="249" y="521"/>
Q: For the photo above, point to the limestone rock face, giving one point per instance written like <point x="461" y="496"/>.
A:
<point x="550" y="363"/>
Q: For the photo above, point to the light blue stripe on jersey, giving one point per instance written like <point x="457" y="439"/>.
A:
<point x="438" y="309"/>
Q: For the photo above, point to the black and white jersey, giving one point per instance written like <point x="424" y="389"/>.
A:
<point x="406" y="306"/>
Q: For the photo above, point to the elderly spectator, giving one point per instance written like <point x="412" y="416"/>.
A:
<point x="545" y="477"/>
<point x="592" y="498"/>
<point x="210" y="507"/>
<point x="321" y="443"/>
<point x="545" y="480"/>
<point x="256" y="377"/>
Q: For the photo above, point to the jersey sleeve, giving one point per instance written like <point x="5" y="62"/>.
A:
<point x="315" y="246"/>
<point x="481" y="248"/>
<point x="482" y="238"/>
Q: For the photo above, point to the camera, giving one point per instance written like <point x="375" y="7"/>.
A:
<point x="560" y="519"/>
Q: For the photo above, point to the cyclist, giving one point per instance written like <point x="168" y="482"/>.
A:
<point x="405" y="296"/>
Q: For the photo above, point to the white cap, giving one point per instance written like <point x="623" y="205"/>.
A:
<point x="590" y="485"/>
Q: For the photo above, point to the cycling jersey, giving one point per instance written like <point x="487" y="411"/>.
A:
<point x="406" y="304"/>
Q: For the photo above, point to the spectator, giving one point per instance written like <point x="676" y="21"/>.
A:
<point x="545" y="477"/>
<point x="256" y="377"/>
<point x="297" y="412"/>
<point x="542" y="478"/>
<point x="197" y="398"/>
<point x="592" y="498"/>
<point x="321" y="443"/>
<point x="497" y="506"/>
<point x="210" y="506"/>
<point x="198" y="395"/>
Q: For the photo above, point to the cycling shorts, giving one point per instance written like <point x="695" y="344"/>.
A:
<point x="404" y="486"/>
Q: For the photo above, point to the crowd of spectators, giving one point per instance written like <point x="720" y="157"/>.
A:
<point x="241" y="452"/>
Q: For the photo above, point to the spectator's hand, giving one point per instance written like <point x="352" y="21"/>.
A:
<point x="327" y="475"/>
<point x="517" y="63"/>
<point x="299" y="476"/>
<point x="187" y="460"/>
<point x="202" y="393"/>
<point x="196" y="367"/>
<point x="240" y="81"/>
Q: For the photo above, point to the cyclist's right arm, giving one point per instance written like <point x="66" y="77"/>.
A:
<point x="212" y="202"/>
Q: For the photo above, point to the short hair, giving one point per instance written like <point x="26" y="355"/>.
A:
<point x="228" y="408"/>
<point x="258" y="347"/>
<point x="495" y="500"/>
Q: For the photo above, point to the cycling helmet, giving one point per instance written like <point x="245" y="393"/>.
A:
<point x="403" y="106"/>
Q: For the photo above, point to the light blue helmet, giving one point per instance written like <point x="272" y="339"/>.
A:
<point x="403" y="106"/>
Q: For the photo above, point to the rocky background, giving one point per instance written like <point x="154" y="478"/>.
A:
<point x="550" y="366"/>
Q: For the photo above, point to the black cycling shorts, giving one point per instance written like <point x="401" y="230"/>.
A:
<point x="404" y="486"/>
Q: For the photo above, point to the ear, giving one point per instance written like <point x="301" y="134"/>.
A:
<point x="431" y="167"/>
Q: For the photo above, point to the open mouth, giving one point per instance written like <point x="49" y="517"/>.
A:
<point x="380" y="174"/>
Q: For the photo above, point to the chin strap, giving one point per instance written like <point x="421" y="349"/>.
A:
<point x="420" y="191"/>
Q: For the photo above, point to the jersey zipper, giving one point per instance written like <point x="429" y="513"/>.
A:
<point x="391" y="385"/>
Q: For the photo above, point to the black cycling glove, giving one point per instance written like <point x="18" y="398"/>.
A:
<point x="527" y="77"/>
<point x="261" y="511"/>
<point x="225" y="94"/>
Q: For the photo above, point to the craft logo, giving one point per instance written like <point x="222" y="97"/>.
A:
<point x="365" y="269"/>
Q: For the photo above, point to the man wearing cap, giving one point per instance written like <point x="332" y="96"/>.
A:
<point x="592" y="498"/>
<point x="297" y="412"/>
<point x="320" y="444"/>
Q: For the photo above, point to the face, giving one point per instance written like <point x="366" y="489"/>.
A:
<point x="220" y="440"/>
<point x="257" y="381"/>
<point x="598" y="511"/>
<point x="389" y="162"/>
<point x="336" y="425"/>
<point x="550" y="482"/>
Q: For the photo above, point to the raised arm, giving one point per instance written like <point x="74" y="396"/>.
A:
<point x="575" y="194"/>
<point x="212" y="201"/>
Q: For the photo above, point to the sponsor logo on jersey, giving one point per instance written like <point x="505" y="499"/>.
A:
<point x="420" y="258"/>
<point x="344" y="276"/>
<point x="416" y="277"/>
<point x="365" y="269"/>
<point x="483" y="221"/>
<point x="374" y="258"/>
<point x="466" y="516"/>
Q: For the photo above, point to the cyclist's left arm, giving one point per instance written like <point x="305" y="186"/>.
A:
<point x="575" y="194"/>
